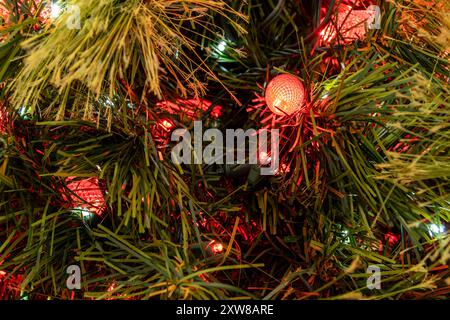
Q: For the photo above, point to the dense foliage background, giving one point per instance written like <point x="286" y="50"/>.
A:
<point x="85" y="170"/>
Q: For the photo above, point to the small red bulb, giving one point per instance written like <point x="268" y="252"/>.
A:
<point x="87" y="195"/>
<point x="3" y="121"/>
<point x="285" y="95"/>
<point x="347" y="26"/>
<point x="216" y="247"/>
<point x="166" y="124"/>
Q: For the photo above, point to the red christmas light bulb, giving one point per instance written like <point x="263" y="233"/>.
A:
<point x="190" y="107"/>
<point x="285" y="95"/>
<point x="264" y="158"/>
<point x="3" y="121"/>
<point x="87" y="195"/>
<point x="166" y="124"/>
<point x="216" y="247"/>
<point x="349" y="24"/>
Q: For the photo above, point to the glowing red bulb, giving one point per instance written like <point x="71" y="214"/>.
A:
<point x="111" y="287"/>
<point x="349" y="25"/>
<point x="264" y="158"/>
<point x="391" y="238"/>
<point x="44" y="12"/>
<point x="192" y="108"/>
<point x="2" y="273"/>
<point x="285" y="95"/>
<point x="87" y="195"/>
<point x="166" y="124"/>
<point x="3" y="121"/>
<point x="216" y="247"/>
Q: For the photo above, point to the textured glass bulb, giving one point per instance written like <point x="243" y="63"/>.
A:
<point x="285" y="94"/>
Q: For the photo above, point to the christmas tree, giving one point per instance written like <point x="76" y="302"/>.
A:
<point x="115" y="183"/>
